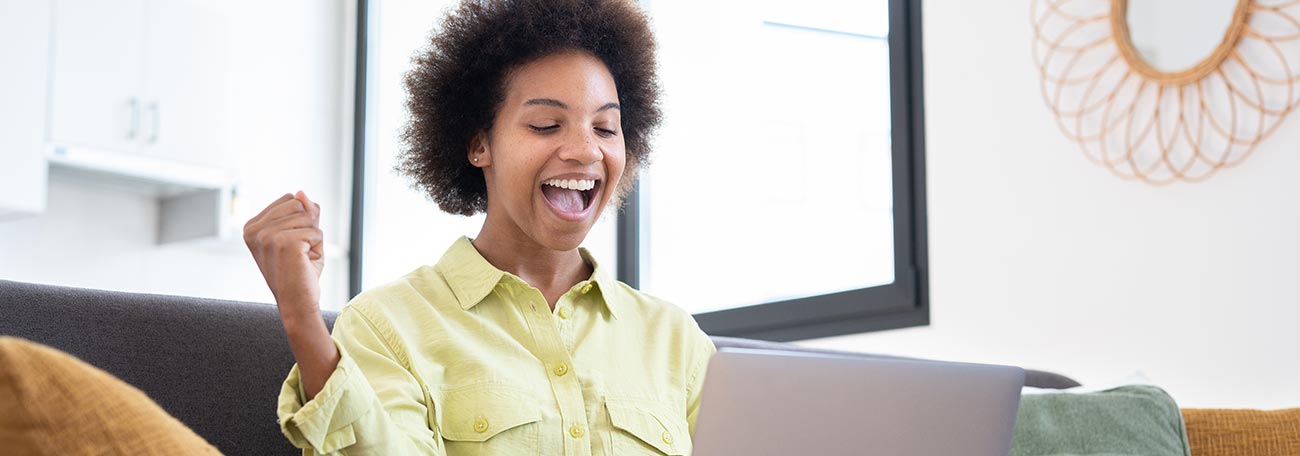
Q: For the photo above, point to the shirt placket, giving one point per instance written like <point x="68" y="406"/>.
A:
<point x="565" y="385"/>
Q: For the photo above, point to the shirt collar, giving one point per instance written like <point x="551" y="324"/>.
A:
<point x="471" y="277"/>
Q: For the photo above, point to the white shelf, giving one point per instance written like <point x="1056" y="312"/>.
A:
<point x="151" y="175"/>
<point x="194" y="202"/>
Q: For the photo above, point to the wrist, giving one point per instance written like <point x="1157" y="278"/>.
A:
<point x="298" y="321"/>
<point x="298" y="302"/>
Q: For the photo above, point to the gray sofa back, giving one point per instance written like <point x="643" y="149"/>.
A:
<point x="215" y="365"/>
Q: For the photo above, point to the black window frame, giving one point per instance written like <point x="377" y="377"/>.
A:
<point x="903" y="303"/>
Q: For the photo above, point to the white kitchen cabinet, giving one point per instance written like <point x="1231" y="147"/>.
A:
<point x="24" y="49"/>
<point x="97" y="89"/>
<point x="185" y="83"/>
<point x="146" y="78"/>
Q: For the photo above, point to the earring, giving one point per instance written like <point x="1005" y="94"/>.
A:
<point x="475" y="159"/>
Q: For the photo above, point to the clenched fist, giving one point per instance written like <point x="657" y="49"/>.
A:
<point x="289" y="247"/>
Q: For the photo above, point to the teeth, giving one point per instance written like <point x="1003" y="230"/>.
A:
<point x="572" y="184"/>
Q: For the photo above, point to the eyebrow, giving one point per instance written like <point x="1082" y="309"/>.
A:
<point x="559" y="104"/>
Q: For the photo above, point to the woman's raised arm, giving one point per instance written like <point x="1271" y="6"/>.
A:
<point x="379" y="411"/>
<point x="289" y="247"/>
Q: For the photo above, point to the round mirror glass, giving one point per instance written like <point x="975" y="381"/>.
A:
<point x="1174" y="35"/>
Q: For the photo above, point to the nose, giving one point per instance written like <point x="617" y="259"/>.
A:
<point x="582" y="147"/>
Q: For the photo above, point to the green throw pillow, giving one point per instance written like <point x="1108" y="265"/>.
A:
<point x="1128" y="420"/>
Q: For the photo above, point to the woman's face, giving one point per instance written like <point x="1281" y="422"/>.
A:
<point x="555" y="153"/>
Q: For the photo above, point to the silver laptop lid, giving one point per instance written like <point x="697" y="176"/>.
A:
<point x="763" y="402"/>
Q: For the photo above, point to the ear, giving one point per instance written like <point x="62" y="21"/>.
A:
<point x="479" y="154"/>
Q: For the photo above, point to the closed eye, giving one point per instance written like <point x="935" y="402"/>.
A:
<point x="543" y="129"/>
<point x="606" y="133"/>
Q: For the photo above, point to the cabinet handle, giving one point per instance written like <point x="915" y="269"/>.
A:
<point x="153" y="133"/>
<point x="134" y="105"/>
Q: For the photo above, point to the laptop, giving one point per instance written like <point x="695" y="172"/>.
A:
<point x="780" y="403"/>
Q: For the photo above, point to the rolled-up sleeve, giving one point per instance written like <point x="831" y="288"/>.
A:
<point x="371" y="404"/>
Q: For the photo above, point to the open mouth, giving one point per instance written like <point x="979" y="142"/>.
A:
<point x="571" y="197"/>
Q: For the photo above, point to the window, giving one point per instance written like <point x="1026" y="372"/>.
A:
<point x="786" y="196"/>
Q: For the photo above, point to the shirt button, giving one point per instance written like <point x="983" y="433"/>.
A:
<point x="668" y="438"/>
<point x="561" y="370"/>
<point x="480" y="425"/>
<point x="564" y="312"/>
<point x="586" y="288"/>
<point x="576" y="431"/>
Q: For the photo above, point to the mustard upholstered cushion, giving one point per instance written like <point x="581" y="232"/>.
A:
<point x="1233" y="432"/>
<point x="52" y="403"/>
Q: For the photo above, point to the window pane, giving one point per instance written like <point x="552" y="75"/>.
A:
<point x="404" y="229"/>
<point x="772" y="173"/>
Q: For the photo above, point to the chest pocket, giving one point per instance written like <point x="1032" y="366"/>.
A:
<point x="487" y="419"/>
<point x="641" y="425"/>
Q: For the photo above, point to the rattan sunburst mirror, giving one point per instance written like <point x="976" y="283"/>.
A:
<point x="1168" y="121"/>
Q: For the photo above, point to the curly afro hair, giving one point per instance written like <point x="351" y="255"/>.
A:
<point x="458" y="81"/>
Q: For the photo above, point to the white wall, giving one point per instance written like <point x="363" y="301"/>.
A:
<point x="290" y="104"/>
<point x="1039" y="258"/>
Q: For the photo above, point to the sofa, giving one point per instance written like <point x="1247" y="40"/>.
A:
<point x="215" y="365"/>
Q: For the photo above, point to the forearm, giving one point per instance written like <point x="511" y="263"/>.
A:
<point x="315" y="352"/>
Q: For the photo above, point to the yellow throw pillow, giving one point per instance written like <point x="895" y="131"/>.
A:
<point x="52" y="403"/>
<point x="1234" y="432"/>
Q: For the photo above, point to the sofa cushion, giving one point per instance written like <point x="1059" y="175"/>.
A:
<point x="54" y="404"/>
<point x="1234" y="432"/>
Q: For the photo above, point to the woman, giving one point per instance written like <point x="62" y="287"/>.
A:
<point x="537" y="112"/>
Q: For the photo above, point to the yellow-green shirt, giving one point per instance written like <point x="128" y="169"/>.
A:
<point x="462" y="358"/>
